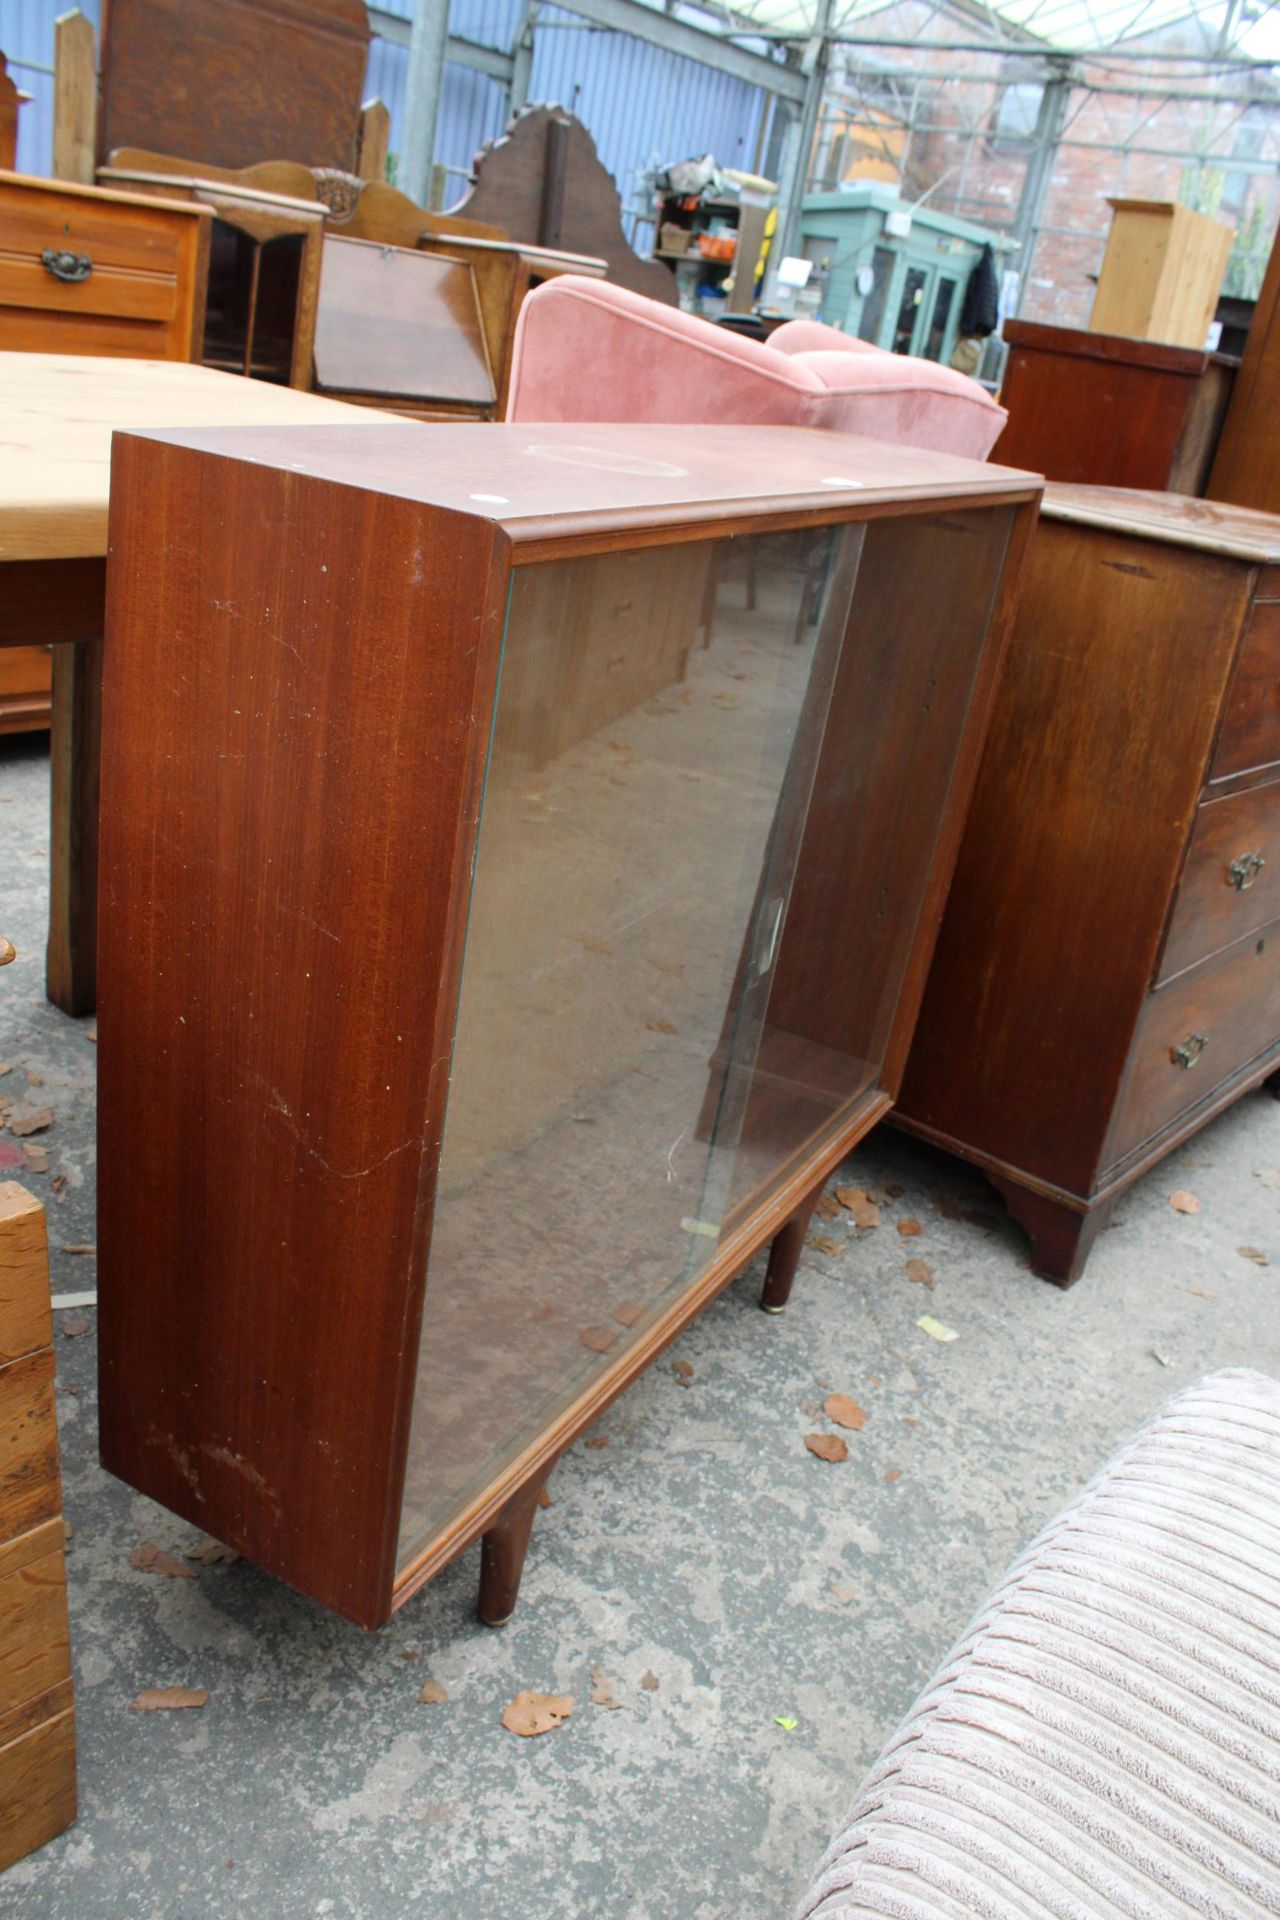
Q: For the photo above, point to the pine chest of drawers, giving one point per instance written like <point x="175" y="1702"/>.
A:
<point x="87" y="271"/>
<point x="1108" y="973"/>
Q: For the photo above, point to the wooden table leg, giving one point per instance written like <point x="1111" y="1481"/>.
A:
<point x="71" y="960"/>
<point x="60" y="603"/>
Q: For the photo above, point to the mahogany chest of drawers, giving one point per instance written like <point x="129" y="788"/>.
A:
<point x="1109" y="411"/>
<point x="1107" y="977"/>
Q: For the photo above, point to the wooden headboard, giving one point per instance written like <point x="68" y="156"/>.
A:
<point x="225" y="81"/>
<point x="545" y="183"/>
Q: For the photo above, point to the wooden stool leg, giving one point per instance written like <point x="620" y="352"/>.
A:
<point x="502" y="1554"/>
<point x="72" y="959"/>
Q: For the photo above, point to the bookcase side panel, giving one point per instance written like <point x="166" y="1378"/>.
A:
<point x="290" y="777"/>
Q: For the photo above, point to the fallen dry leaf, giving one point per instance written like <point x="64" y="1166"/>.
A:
<point x="592" y="945"/>
<point x="1184" y="1202"/>
<point x="1269" y="1176"/>
<point x="601" y="1691"/>
<point x="34" y="1079"/>
<point x="667" y="966"/>
<point x="599" y="1339"/>
<point x="844" y="1594"/>
<point x="73" y="1329"/>
<point x="597" y="1440"/>
<point x="894" y="1189"/>
<point x="909" y="1229"/>
<point x="10" y="1156"/>
<point x="828" y="1207"/>
<point x="893" y="1476"/>
<point x="650" y="1682"/>
<point x="909" y="1420"/>
<point x="827" y="1446"/>
<point x="37" y="1157"/>
<point x="866" y="1214"/>
<point x="935" y="1329"/>
<point x="628" y="1312"/>
<point x="6" y="1066"/>
<point x="534" y="1713"/>
<point x="24" y="1119"/>
<point x="661" y="1026"/>
<point x="1255" y="1254"/>
<point x="168" y="1699"/>
<point x="921" y="1272"/>
<point x="432" y="1694"/>
<point x="149" y="1558"/>
<point x="212" y="1553"/>
<point x="682" y="1371"/>
<point x="823" y="1243"/>
<point x="844" y="1411"/>
<point x="411" y="1653"/>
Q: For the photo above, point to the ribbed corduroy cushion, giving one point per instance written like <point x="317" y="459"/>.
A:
<point x="1105" y="1740"/>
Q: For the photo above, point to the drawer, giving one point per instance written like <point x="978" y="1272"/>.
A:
<point x="1250" y="734"/>
<point x="143" y="294"/>
<point x="1193" y="1035"/>
<point x="1231" y="879"/>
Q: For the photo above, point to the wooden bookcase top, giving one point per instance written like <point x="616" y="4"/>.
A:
<point x="534" y="480"/>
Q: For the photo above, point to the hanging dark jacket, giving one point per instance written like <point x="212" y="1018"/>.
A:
<point x="981" y="308"/>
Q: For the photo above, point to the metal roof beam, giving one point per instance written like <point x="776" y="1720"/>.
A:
<point x="692" y="43"/>
<point x="463" y="53"/>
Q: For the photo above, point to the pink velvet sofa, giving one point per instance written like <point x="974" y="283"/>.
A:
<point x="588" y="350"/>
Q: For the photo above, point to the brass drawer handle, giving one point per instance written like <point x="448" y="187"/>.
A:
<point x="1244" y="870"/>
<point x="68" y="267"/>
<point x="1188" y="1051"/>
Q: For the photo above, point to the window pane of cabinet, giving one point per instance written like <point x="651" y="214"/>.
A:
<point x="641" y="1054"/>
<point x="658" y="722"/>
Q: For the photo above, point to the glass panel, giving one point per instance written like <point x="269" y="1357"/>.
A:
<point x="941" y="314"/>
<point x="873" y="305"/>
<point x="912" y="296"/>
<point x="618" y="1098"/>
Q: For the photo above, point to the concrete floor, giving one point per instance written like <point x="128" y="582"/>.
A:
<point x="701" y="1545"/>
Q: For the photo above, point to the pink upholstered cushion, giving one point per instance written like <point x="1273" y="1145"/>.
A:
<point x="1104" y="1743"/>
<point x="587" y="350"/>
<point x="811" y="336"/>
<point x="890" y="396"/>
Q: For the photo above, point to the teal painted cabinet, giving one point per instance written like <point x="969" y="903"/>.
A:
<point x="902" y="290"/>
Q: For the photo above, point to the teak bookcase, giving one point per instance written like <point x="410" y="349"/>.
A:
<point x="522" y="850"/>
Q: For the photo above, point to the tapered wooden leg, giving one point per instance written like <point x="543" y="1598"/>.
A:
<point x="71" y="961"/>
<point x="502" y="1552"/>
<point x="1062" y="1237"/>
<point x="784" y="1257"/>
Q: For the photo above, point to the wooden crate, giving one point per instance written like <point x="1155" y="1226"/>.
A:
<point x="37" y="1713"/>
<point x="1161" y="274"/>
